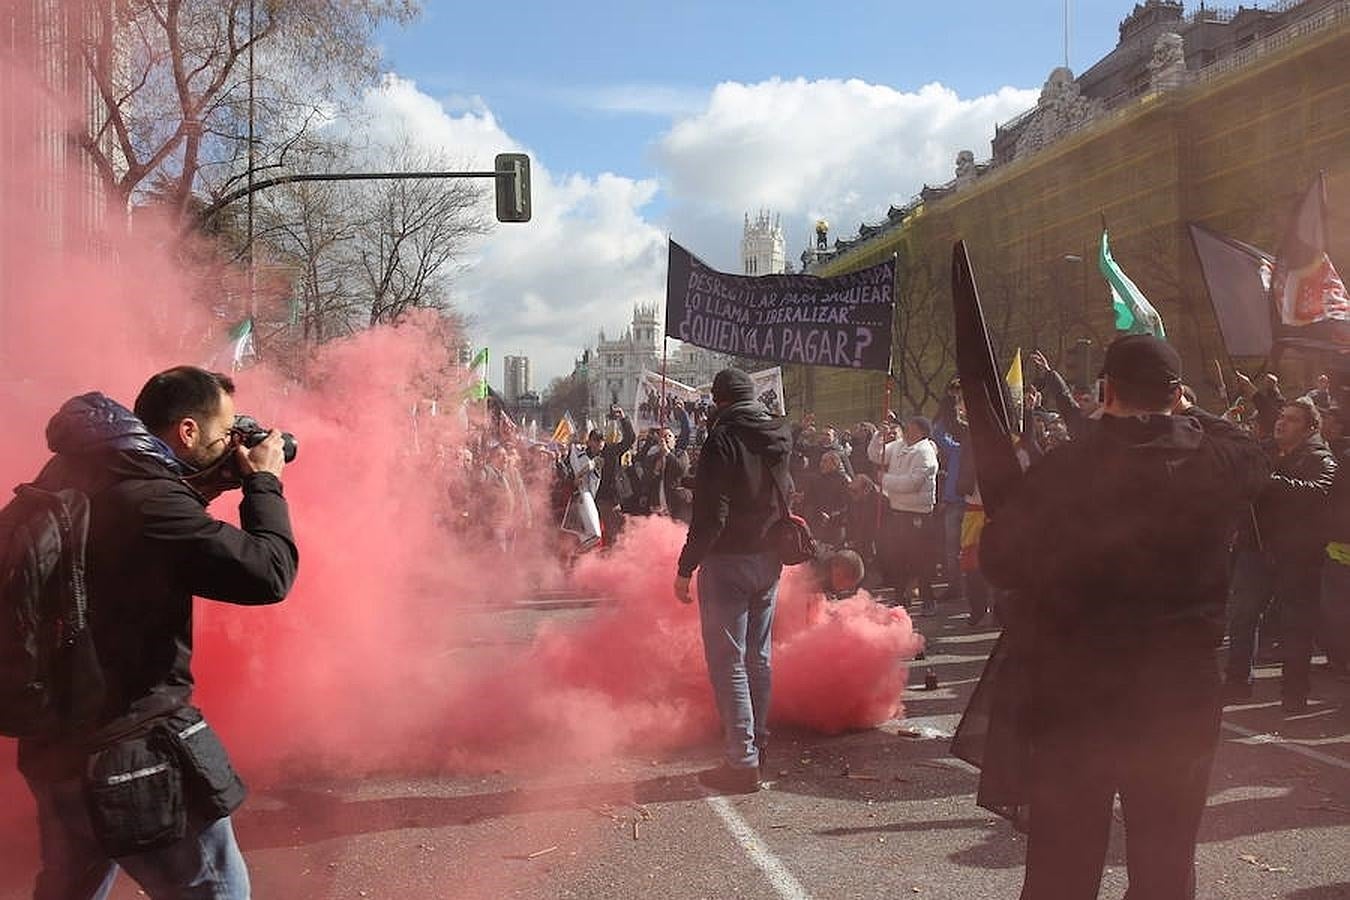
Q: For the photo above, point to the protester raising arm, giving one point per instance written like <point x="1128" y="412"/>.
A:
<point x="1053" y="383"/>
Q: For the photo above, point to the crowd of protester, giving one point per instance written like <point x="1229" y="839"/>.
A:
<point x="899" y="495"/>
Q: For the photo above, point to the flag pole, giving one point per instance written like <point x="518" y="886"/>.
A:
<point x="882" y="503"/>
<point x="661" y="404"/>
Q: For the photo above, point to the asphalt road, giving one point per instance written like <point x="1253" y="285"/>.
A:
<point x="881" y="813"/>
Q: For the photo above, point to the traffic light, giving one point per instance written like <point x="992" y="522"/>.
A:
<point x="513" y="187"/>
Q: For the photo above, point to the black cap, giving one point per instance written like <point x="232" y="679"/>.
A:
<point x="731" y="385"/>
<point x="1142" y="359"/>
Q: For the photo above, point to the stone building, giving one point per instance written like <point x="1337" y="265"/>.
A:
<point x="1232" y="144"/>
<point x="763" y="250"/>
<point x="515" y="377"/>
<point x="616" y="364"/>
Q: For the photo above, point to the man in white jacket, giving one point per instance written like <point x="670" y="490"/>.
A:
<point x="908" y="468"/>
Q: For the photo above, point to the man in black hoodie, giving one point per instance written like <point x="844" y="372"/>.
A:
<point x="739" y="494"/>
<point x="150" y="773"/>
<point x="1116" y="549"/>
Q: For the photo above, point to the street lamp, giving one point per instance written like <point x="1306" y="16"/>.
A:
<point x="1060" y="303"/>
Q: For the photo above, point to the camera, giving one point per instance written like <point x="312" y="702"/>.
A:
<point x="250" y="433"/>
<point x="224" y="474"/>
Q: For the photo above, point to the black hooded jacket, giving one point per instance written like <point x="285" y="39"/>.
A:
<point x="735" y="501"/>
<point x="1122" y="537"/>
<point x="152" y="548"/>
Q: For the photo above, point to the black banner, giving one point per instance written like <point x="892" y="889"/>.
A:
<point x="841" y="321"/>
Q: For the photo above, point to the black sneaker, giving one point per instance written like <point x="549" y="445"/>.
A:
<point x="727" y="779"/>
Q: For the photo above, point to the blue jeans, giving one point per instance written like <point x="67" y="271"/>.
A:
<point x="736" y="594"/>
<point x="204" y="865"/>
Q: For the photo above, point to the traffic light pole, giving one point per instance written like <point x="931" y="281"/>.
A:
<point x="512" y="177"/>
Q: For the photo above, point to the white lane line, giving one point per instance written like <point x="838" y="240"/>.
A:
<point x="782" y="881"/>
<point x="1274" y="740"/>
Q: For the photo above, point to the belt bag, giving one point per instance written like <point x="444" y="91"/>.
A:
<point x="140" y="790"/>
<point x="212" y="787"/>
<point x="134" y="793"/>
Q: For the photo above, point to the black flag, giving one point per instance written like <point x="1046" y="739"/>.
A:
<point x="993" y="730"/>
<point x="991" y="436"/>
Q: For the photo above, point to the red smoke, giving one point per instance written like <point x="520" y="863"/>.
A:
<point x="394" y="652"/>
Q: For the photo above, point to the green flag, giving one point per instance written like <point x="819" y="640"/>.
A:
<point x="478" y="389"/>
<point x="241" y="342"/>
<point x="1134" y="314"/>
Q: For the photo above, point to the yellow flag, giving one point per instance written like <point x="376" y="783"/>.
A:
<point x="563" y="433"/>
<point x="1015" y="387"/>
<point x="1014" y="378"/>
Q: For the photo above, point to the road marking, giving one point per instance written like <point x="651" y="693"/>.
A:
<point x="1274" y="740"/>
<point x="782" y="881"/>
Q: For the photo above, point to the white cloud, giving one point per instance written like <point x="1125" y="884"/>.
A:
<point x="666" y="101"/>
<point x="842" y="150"/>
<point x="544" y="287"/>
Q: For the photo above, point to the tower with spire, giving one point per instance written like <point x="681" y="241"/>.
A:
<point x="763" y="250"/>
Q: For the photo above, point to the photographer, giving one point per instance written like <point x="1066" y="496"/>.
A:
<point x="148" y="787"/>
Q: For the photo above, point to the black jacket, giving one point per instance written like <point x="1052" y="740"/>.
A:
<point x="152" y="548"/>
<point x="735" y="501"/>
<point x="611" y="455"/>
<point x="1121" y="537"/>
<point x="664" y="473"/>
<point x="1292" y="512"/>
<point x="1054" y="385"/>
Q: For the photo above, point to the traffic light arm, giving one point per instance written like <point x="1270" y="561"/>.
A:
<point x="512" y="188"/>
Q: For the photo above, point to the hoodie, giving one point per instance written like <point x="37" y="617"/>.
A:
<point x="735" y="499"/>
<point x="1121" y="538"/>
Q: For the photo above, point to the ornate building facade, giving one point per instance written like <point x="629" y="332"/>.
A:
<point x="616" y="364"/>
<point x="1226" y="133"/>
<point x="763" y="250"/>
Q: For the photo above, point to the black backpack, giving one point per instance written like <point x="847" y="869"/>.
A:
<point x="50" y="679"/>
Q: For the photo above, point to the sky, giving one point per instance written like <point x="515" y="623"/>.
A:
<point x="646" y="120"/>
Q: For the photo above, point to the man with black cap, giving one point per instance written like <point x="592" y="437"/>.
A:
<point x="1116" y="548"/>
<point x="741" y="488"/>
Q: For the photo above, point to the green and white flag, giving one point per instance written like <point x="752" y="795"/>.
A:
<point x="1134" y="314"/>
<point x="478" y="388"/>
<point x="241" y="342"/>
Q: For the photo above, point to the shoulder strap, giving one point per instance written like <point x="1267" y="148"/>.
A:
<point x="778" y="475"/>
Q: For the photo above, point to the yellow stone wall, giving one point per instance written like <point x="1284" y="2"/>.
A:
<point x="1235" y="152"/>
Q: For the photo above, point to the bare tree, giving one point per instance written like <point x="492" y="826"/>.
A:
<point x="366" y="253"/>
<point x="567" y="394"/>
<point x="927" y="350"/>
<point x="178" y="80"/>
<point x="411" y="233"/>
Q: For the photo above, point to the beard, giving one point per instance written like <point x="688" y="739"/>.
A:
<point x="204" y="457"/>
